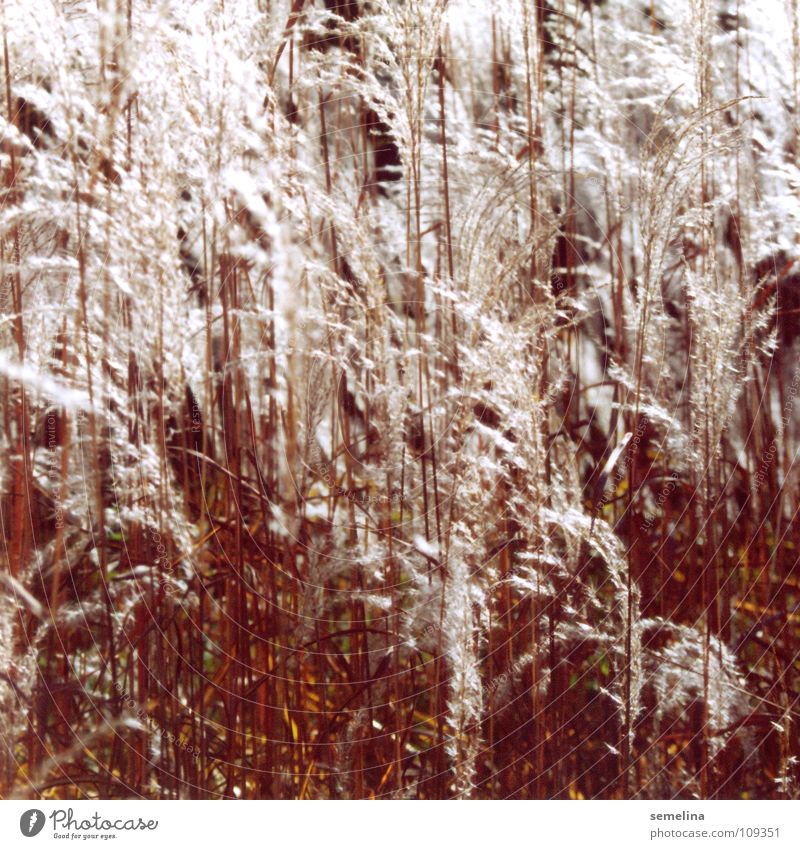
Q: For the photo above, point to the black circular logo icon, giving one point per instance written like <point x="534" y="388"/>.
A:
<point x="31" y="822"/>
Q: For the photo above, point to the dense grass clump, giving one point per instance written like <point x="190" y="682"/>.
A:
<point x="399" y="399"/>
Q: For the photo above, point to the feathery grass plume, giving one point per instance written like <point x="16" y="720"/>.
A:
<point x="20" y="633"/>
<point x="465" y="698"/>
<point x="684" y="707"/>
<point x="319" y="323"/>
